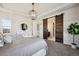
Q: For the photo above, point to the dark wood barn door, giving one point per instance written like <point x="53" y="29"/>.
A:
<point x="45" y="30"/>
<point x="59" y="28"/>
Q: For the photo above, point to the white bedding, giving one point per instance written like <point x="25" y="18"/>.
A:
<point x="41" y="52"/>
<point x="23" y="47"/>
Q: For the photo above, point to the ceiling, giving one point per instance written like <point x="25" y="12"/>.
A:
<point x="24" y="8"/>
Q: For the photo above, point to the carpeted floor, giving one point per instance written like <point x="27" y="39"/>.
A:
<point x="58" y="49"/>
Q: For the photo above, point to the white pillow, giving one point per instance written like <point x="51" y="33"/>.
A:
<point x="8" y="39"/>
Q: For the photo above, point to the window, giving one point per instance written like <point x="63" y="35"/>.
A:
<point x="6" y="26"/>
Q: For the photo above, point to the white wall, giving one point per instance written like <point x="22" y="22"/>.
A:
<point x="40" y="28"/>
<point x="16" y="23"/>
<point x="17" y="26"/>
<point x="17" y="20"/>
<point x="70" y="16"/>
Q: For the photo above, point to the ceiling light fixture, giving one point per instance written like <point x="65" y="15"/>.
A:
<point x="33" y="13"/>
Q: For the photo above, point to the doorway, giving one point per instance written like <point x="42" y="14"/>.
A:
<point x="49" y="28"/>
<point x="53" y="28"/>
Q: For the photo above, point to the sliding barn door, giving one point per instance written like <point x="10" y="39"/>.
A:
<point x="45" y="30"/>
<point x="59" y="28"/>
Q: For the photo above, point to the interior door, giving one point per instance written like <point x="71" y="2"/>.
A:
<point x="34" y="28"/>
<point x="45" y="30"/>
<point x="59" y="28"/>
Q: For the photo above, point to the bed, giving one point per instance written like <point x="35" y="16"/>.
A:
<point x="22" y="46"/>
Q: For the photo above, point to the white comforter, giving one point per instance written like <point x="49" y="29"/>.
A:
<point x="23" y="47"/>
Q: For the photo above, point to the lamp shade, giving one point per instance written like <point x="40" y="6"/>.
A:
<point x="33" y="14"/>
